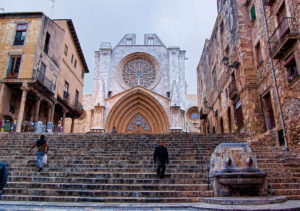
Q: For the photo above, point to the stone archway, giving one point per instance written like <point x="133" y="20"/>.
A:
<point x="138" y="106"/>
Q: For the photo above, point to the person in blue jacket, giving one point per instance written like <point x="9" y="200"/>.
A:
<point x="3" y="176"/>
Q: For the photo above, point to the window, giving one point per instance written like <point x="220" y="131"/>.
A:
<point x="128" y="41"/>
<point x="82" y="74"/>
<point x="151" y="41"/>
<point x="290" y="65"/>
<point x="258" y="54"/>
<point x="66" y="90"/>
<point x="41" y="74"/>
<point x="20" y="34"/>
<point x="253" y="13"/>
<point x="53" y="83"/>
<point x="194" y="115"/>
<point x="109" y="94"/>
<point x="76" y="98"/>
<point x="268" y="112"/>
<point x="72" y="58"/>
<point x="239" y="114"/>
<point x="221" y="27"/>
<point x="14" y="66"/>
<point x="75" y="63"/>
<point x="66" y="50"/>
<point x="168" y="94"/>
<point x="47" y="42"/>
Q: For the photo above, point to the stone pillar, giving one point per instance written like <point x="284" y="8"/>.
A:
<point x="175" y="119"/>
<point x="2" y="87"/>
<point x="37" y="110"/>
<point x="49" y="115"/>
<point x="22" y="107"/>
<point x="98" y="119"/>
<point x="72" y="125"/>
<point x="63" y="120"/>
<point x="52" y="113"/>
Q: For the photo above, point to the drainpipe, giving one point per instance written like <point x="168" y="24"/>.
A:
<point x="274" y="78"/>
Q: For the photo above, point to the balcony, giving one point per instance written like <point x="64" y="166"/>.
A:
<point x="43" y="84"/>
<point x="66" y="96"/>
<point x="77" y="108"/>
<point x="268" y="2"/>
<point x="232" y="90"/>
<point x="283" y="37"/>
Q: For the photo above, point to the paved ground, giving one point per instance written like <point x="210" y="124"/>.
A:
<point x="53" y="206"/>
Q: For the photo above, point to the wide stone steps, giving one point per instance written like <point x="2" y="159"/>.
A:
<point x="107" y="186"/>
<point x="106" y="180"/>
<point x="106" y="168"/>
<point x="105" y="193"/>
<point x="283" y="170"/>
<point x="132" y="199"/>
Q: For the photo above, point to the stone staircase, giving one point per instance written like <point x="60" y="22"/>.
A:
<point x="119" y="168"/>
<point x="108" y="168"/>
<point x="283" y="170"/>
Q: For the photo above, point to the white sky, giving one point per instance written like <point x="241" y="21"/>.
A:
<point x="183" y="23"/>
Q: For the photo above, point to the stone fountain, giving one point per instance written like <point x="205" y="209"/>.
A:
<point x="234" y="171"/>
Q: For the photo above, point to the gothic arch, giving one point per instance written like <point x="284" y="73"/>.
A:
<point x="134" y="103"/>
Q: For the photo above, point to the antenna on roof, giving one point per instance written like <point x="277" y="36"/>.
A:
<point x="52" y="8"/>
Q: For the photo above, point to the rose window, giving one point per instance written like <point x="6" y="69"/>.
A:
<point x="139" y="72"/>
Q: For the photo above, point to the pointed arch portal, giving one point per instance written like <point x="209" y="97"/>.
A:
<point x="138" y="112"/>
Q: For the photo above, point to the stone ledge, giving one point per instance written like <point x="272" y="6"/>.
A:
<point x="245" y="200"/>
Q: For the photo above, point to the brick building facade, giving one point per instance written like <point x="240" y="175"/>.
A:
<point x="237" y="91"/>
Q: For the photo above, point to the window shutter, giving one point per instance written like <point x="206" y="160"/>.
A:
<point x="253" y="13"/>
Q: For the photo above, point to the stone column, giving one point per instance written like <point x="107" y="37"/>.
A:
<point x="37" y="110"/>
<point x="22" y="107"/>
<point x="98" y="119"/>
<point x="52" y="112"/>
<point x="49" y="115"/>
<point x="63" y="120"/>
<point x="175" y="119"/>
<point x="2" y="85"/>
<point x="72" y="124"/>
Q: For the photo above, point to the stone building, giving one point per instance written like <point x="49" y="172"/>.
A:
<point x="32" y="66"/>
<point x="139" y="89"/>
<point x="236" y="88"/>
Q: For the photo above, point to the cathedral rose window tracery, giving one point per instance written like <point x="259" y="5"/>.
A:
<point x="139" y="72"/>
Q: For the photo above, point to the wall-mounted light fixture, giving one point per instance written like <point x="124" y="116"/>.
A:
<point x="225" y="60"/>
<point x="234" y="65"/>
<point x="205" y="104"/>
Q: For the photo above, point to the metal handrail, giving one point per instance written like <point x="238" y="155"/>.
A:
<point x="202" y="156"/>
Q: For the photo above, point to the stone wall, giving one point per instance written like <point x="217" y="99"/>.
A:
<point x="239" y="37"/>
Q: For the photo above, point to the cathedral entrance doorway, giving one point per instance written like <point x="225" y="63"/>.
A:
<point x="138" y="112"/>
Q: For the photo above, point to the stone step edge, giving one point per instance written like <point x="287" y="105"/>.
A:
<point x="111" y="184"/>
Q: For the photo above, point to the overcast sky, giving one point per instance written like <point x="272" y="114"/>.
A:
<point x="183" y="23"/>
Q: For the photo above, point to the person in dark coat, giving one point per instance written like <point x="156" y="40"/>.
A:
<point x="3" y="177"/>
<point x="162" y="158"/>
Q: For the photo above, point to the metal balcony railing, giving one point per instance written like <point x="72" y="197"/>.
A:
<point x="45" y="82"/>
<point x="284" y="35"/>
<point x="77" y="105"/>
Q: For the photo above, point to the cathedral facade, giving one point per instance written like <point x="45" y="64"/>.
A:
<point x="139" y="89"/>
